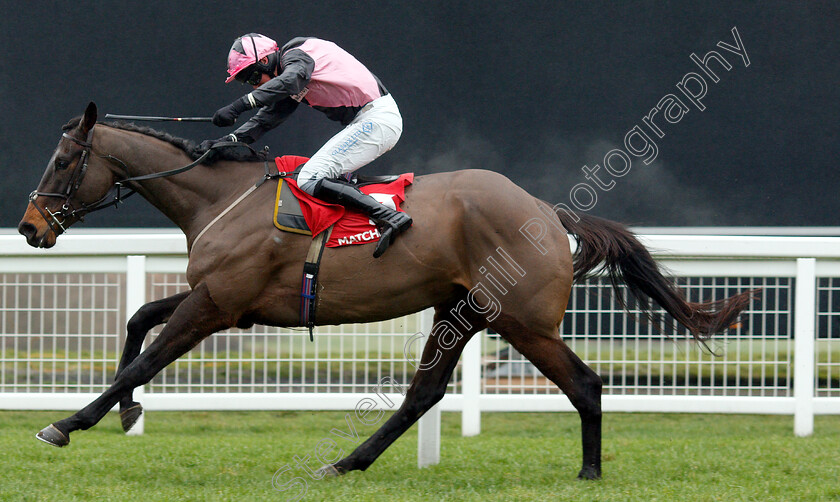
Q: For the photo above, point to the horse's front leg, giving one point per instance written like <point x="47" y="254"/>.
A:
<point x="196" y="318"/>
<point x="147" y="317"/>
<point x="440" y="356"/>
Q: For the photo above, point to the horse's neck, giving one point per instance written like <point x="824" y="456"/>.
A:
<point x="188" y="198"/>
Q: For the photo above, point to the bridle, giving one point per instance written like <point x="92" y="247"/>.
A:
<point x="56" y="219"/>
<point x="114" y="196"/>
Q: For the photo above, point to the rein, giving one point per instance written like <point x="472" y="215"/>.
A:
<point x="115" y="194"/>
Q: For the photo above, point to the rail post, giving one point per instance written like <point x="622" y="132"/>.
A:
<point x="428" y="427"/>
<point x="803" y="350"/>
<point x="135" y="297"/>
<point x="471" y="386"/>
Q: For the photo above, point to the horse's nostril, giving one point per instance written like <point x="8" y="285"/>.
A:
<point x="27" y="229"/>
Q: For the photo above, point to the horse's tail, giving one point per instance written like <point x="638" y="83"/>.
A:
<point x="607" y="246"/>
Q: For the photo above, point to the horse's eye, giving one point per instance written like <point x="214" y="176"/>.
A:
<point x="61" y="164"/>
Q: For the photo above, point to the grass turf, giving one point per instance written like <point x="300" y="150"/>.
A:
<point x="517" y="456"/>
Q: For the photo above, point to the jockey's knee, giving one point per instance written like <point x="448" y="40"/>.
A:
<point x="309" y="177"/>
<point x="309" y="186"/>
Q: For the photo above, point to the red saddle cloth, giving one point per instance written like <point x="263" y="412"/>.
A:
<point x="351" y="227"/>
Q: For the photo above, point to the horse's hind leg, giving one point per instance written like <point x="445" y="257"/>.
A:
<point x="580" y="384"/>
<point x="196" y="318"/>
<point x="147" y="317"/>
<point x="440" y="356"/>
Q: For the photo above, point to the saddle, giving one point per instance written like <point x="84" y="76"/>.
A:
<point x="298" y="212"/>
<point x="330" y="225"/>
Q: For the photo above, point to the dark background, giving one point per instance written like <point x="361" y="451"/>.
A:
<point x="533" y="90"/>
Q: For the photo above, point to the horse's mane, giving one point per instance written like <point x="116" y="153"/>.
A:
<point x="189" y="147"/>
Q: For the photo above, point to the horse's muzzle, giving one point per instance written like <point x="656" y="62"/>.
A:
<point x="36" y="236"/>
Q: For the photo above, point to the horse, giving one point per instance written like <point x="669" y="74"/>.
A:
<point x="242" y="271"/>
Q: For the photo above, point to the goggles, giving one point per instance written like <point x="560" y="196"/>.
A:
<point x="249" y="76"/>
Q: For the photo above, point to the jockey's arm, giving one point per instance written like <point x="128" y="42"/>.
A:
<point x="278" y="97"/>
<point x="297" y="71"/>
<point x="266" y="119"/>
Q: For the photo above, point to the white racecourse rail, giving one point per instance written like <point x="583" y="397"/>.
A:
<point x="64" y="312"/>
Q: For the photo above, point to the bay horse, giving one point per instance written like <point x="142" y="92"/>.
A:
<point x="244" y="271"/>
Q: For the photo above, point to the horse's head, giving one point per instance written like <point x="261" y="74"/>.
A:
<point x="61" y="198"/>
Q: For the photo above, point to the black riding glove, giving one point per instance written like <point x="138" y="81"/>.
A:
<point x="208" y="143"/>
<point x="225" y="117"/>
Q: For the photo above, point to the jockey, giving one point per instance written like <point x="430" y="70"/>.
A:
<point x="327" y="78"/>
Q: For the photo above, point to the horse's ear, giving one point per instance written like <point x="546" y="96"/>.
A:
<point x="90" y="118"/>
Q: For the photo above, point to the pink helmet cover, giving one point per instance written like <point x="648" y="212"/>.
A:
<point x="238" y="61"/>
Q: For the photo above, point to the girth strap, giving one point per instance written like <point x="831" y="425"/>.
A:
<point x="310" y="280"/>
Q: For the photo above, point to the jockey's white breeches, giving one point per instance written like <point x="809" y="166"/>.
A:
<point x="375" y="130"/>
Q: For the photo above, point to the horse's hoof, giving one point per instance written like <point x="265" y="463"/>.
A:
<point x="129" y="416"/>
<point x="589" y="473"/>
<point x="327" y="471"/>
<point x="51" y="435"/>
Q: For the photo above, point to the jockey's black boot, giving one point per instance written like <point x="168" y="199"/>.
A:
<point x="390" y="222"/>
